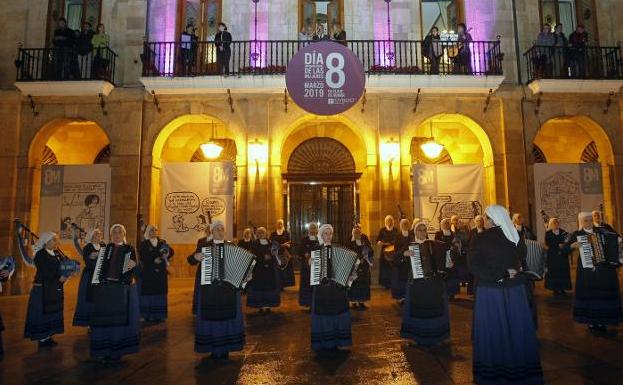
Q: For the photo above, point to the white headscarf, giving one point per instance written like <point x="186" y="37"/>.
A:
<point x="582" y="215"/>
<point x="549" y="223"/>
<point x="421" y="223"/>
<point x="44" y="238"/>
<point x="122" y="227"/>
<point x="500" y="217"/>
<point x="89" y="237"/>
<point x="148" y="229"/>
<point x="321" y="230"/>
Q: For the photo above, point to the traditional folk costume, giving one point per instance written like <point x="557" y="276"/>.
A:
<point x="287" y="269"/>
<point x="597" y="299"/>
<point x="115" y="320"/>
<point x="453" y="280"/>
<point x="505" y="347"/>
<point x="201" y="243"/>
<point x="425" y="313"/>
<point x="400" y="266"/>
<point x="155" y="255"/>
<point x="330" y="313"/>
<point x="308" y="243"/>
<point x="8" y="269"/>
<point x="558" y="277"/>
<point x="264" y="290"/>
<point x="246" y="244"/>
<point x="84" y="305"/>
<point x="388" y="236"/>
<point x="219" y="326"/>
<point x="360" y="289"/>
<point x="45" y="305"/>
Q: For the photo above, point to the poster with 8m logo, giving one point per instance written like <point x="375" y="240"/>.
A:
<point x="325" y="78"/>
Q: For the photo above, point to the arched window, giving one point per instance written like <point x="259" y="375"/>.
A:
<point x="570" y="13"/>
<point x="445" y="14"/>
<point x="325" y="13"/>
<point x="75" y="11"/>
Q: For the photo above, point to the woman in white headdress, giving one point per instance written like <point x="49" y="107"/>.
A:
<point x="425" y="313"/>
<point x="115" y="318"/>
<point x="359" y="291"/>
<point x="597" y="301"/>
<point x="264" y="289"/>
<point x="504" y="334"/>
<point x="155" y="256"/>
<point x="558" y="277"/>
<point x="45" y="305"/>
<point x="330" y="314"/>
<point x="84" y="305"/>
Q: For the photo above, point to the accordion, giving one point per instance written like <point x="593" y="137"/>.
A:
<point x="100" y="263"/>
<point x="230" y="264"/>
<point x="599" y="249"/>
<point x="535" y="260"/>
<point x="426" y="265"/>
<point x="344" y="263"/>
<point x="68" y="267"/>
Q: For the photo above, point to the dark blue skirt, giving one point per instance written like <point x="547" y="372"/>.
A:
<point x="154" y="307"/>
<point x="263" y="298"/>
<point x="305" y="291"/>
<point x="398" y="285"/>
<point x="38" y="324"/>
<point x="219" y="337"/>
<point x="359" y="292"/>
<point x="424" y="331"/>
<point x="558" y="276"/>
<point x="505" y="344"/>
<point x="330" y="331"/>
<point x="453" y="282"/>
<point x="287" y="276"/>
<point x="117" y="341"/>
<point x="385" y="274"/>
<point x="597" y="311"/>
<point x="196" y="293"/>
<point x="82" y="315"/>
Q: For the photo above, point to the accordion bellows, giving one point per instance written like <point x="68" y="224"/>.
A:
<point x="227" y="263"/>
<point x="344" y="263"/>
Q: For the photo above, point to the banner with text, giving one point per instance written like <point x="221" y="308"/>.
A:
<point x="74" y="194"/>
<point x="441" y="191"/>
<point x="189" y="192"/>
<point x="563" y="190"/>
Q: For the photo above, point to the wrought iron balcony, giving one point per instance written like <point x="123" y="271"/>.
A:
<point x="65" y="64"/>
<point x="239" y="58"/>
<point x="589" y="63"/>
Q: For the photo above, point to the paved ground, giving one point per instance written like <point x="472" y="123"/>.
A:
<point x="278" y="349"/>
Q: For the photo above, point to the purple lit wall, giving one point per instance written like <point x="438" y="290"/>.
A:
<point x="259" y="48"/>
<point x="383" y="46"/>
<point x="480" y="16"/>
<point x="161" y="21"/>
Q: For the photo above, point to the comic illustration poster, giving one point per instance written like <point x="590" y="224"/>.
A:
<point x="563" y="190"/>
<point x="74" y="194"/>
<point x="441" y="191"/>
<point x="191" y="194"/>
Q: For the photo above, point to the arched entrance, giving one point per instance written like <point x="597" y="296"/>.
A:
<point x="64" y="142"/>
<point x="321" y="173"/>
<point x="577" y="139"/>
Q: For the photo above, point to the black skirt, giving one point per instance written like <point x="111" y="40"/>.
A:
<point x="111" y="301"/>
<point x="427" y="298"/>
<point x="331" y="299"/>
<point x="52" y="297"/>
<point x="218" y="302"/>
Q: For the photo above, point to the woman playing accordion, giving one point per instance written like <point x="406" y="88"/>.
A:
<point x="307" y="244"/>
<point x="90" y="251"/>
<point x="155" y="256"/>
<point x="425" y="315"/>
<point x="219" y="327"/>
<point x="264" y="290"/>
<point x="360" y="289"/>
<point x="330" y="314"/>
<point x="505" y="347"/>
<point x="115" y="318"/>
<point x="597" y="299"/>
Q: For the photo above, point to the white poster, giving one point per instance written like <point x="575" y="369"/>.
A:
<point x="563" y="190"/>
<point x="191" y="193"/>
<point x="441" y="191"/>
<point x="74" y="194"/>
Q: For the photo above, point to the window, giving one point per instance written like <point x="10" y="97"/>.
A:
<point x="204" y="15"/>
<point x="325" y="13"/>
<point x="570" y="13"/>
<point x="75" y="11"/>
<point x="445" y="14"/>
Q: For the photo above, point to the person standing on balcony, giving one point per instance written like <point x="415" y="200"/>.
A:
<point x="578" y="55"/>
<point x="100" y="42"/>
<point x="339" y="35"/>
<point x="189" y="49"/>
<point x="222" y="40"/>
<point x="433" y="50"/>
<point x="560" y="54"/>
<point x="544" y="42"/>
<point x="64" y="43"/>
<point x="320" y="34"/>
<point x="304" y="35"/>
<point x="84" y="47"/>
<point x="463" y="59"/>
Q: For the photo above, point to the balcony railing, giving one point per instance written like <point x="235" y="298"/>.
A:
<point x="271" y="57"/>
<point x="545" y="62"/>
<point x="60" y="64"/>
